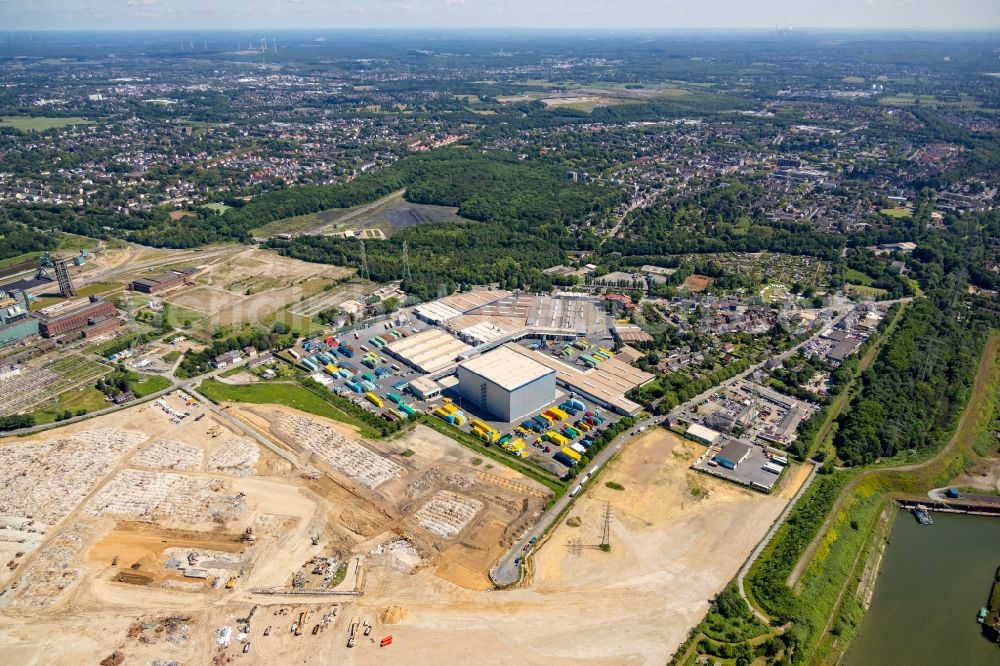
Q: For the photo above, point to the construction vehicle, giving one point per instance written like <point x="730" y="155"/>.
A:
<point x="301" y="622"/>
<point x="231" y="583"/>
<point x="350" y="638"/>
<point x="315" y="539"/>
<point x="267" y="632"/>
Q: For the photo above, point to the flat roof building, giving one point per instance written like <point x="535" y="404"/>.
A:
<point x="506" y="384"/>
<point x="429" y="351"/>
<point x="606" y="384"/>
<point x="702" y="434"/>
<point x="631" y="333"/>
<point x="161" y="282"/>
<point x="78" y="318"/>
<point x="425" y="388"/>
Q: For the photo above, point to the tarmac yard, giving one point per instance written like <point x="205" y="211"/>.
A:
<point x="417" y="543"/>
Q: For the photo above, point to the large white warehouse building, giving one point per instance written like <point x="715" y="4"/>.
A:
<point x="506" y="384"/>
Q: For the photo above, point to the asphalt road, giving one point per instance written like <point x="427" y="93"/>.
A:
<point x="684" y="408"/>
<point x="507" y="571"/>
<point x="745" y="569"/>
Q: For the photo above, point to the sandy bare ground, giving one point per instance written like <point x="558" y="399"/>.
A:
<point x="254" y="284"/>
<point x="676" y="539"/>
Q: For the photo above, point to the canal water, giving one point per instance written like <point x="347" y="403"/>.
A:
<point x="934" y="580"/>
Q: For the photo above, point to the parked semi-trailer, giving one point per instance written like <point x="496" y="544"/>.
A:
<point x="571" y="453"/>
<point x="564" y="459"/>
<point x="531" y="425"/>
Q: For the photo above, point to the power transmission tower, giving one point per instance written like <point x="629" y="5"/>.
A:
<point x="606" y="537"/>
<point x="364" y="261"/>
<point x="406" y="261"/>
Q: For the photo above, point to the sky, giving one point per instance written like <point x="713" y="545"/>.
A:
<point x="600" y="14"/>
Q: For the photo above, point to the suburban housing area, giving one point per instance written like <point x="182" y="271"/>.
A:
<point x="350" y="347"/>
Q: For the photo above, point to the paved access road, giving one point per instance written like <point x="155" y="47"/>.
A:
<point x="508" y="569"/>
<point x="680" y="410"/>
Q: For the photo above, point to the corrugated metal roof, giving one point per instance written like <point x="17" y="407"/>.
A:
<point x="430" y="350"/>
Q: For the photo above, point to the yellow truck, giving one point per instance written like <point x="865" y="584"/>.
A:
<point x="566" y="451"/>
<point x="556" y="438"/>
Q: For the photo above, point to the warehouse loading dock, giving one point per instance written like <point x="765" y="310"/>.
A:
<point x="605" y="385"/>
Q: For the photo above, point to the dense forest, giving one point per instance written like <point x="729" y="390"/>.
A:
<point x="917" y="384"/>
<point x="720" y="220"/>
<point x="519" y="220"/>
<point x="17" y="239"/>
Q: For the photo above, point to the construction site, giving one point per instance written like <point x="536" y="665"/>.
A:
<point x="259" y="533"/>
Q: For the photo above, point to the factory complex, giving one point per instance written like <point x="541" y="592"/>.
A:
<point x="477" y="337"/>
<point x="534" y="374"/>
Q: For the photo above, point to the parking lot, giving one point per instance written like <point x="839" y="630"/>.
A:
<point x="750" y="472"/>
<point x="757" y="411"/>
<point x="391" y="376"/>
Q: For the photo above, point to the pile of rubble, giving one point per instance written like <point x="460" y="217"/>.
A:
<point x="46" y="480"/>
<point x="168" y="454"/>
<point x="344" y="454"/>
<point x="165" y="496"/>
<point x="446" y="513"/>
<point x="235" y="456"/>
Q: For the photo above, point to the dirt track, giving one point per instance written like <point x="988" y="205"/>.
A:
<point x="677" y="537"/>
<point x="964" y="434"/>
